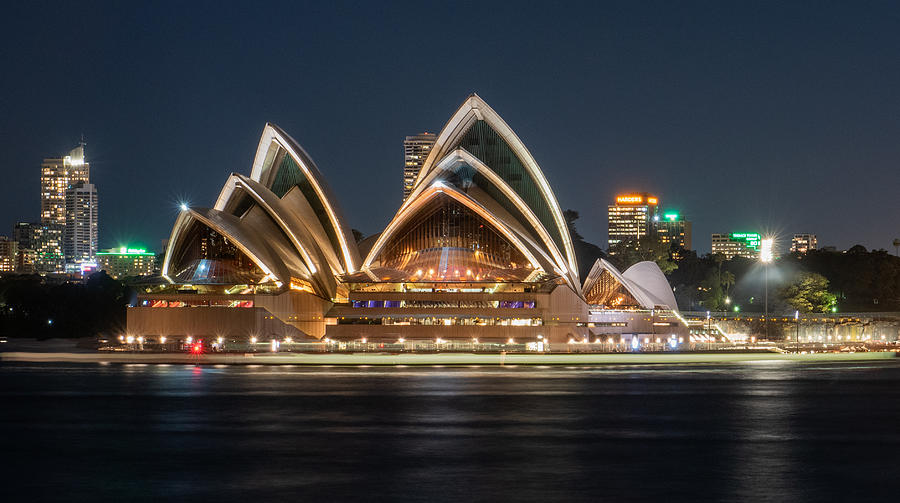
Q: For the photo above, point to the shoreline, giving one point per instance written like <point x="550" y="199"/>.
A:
<point x="412" y="359"/>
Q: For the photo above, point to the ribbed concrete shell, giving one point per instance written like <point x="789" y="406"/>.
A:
<point x="410" y="211"/>
<point x="475" y="109"/>
<point x="284" y="236"/>
<point x="271" y="144"/>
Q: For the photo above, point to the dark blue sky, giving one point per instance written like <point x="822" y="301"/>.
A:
<point x="743" y="115"/>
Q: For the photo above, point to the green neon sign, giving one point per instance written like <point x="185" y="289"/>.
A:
<point x="127" y="250"/>
<point x="750" y="239"/>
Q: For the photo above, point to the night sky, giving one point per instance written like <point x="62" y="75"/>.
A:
<point x="779" y="116"/>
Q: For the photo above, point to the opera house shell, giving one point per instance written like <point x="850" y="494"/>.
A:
<point x="479" y="250"/>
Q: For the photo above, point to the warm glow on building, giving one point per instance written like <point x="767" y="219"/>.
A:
<point x="631" y="217"/>
<point x="802" y="243"/>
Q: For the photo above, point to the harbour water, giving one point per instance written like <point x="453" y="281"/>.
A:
<point x="781" y="431"/>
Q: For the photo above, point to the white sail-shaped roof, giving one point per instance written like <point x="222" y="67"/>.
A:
<point x="283" y="217"/>
<point x="276" y="153"/>
<point x="644" y="281"/>
<point x="477" y="128"/>
<point x="648" y="277"/>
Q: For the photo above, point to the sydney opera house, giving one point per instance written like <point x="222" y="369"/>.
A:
<point x="478" y="251"/>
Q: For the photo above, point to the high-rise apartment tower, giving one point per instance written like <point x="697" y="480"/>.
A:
<point x="80" y="239"/>
<point x="415" y="150"/>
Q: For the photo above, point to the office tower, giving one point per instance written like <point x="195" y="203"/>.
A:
<point x="741" y="244"/>
<point x="415" y="150"/>
<point x="8" y="252"/>
<point x="672" y="228"/>
<point x="124" y="262"/>
<point x="802" y="243"/>
<point x="631" y="217"/>
<point x="80" y="240"/>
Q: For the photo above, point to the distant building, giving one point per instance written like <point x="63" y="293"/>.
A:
<point x="630" y="218"/>
<point x="8" y="251"/>
<point x="39" y="247"/>
<point x="23" y="235"/>
<point x="123" y="262"/>
<point x="80" y="239"/>
<point x="672" y="228"/>
<point x="25" y="259"/>
<point x="741" y="244"/>
<point x="57" y="175"/>
<point x="802" y="243"/>
<point x="415" y="150"/>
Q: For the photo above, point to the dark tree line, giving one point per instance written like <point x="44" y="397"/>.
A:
<point x="862" y="280"/>
<point x="33" y="307"/>
<point x="855" y="280"/>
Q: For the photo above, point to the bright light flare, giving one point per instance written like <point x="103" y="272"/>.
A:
<point x="766" y="254"/>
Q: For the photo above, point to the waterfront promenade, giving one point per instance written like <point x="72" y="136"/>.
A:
<point x="441" y="358"/>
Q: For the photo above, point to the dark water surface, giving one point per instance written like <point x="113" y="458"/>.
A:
<point x="767" y="431"/>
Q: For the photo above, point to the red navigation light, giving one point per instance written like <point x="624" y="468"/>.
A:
<point x="197" y="348"/>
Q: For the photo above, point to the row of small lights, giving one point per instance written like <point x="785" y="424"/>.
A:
<point x="288" y="340"/>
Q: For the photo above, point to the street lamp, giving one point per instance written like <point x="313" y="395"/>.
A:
<point x="765" y="256"/>
<point x="797" y="322"/>
<point x="708" y="341"/>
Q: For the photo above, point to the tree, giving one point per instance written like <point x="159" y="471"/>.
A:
<point x="808" y="293"/>
<point x="711" y="295"/>
<point x="727" y="280"/>
<point x="585" y="253"/>
<point x="631" y="251"/>
<point x="571" y="216"/>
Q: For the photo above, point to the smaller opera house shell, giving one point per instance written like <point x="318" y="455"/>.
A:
<point x="479" y="250"/>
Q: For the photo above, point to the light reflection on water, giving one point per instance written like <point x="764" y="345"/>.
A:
<point x="747" y="431"/>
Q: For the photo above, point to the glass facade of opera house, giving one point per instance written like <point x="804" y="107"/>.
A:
<point x="479" y="250"/>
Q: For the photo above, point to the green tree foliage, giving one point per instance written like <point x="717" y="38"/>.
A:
<point x="629" y="252"/>
<point x="808" y="293"/>
<point x="711" y="293"/>
<point x="862" y="280"/>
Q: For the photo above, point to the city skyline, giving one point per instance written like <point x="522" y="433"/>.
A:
<point x="635" y="110"/>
